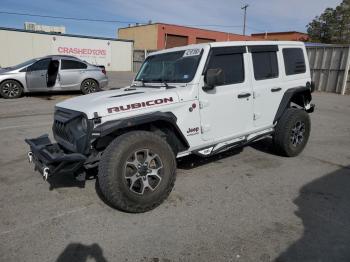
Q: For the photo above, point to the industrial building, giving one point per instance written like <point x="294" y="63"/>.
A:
<point x="19" y="45"/>
<point x="160" y="36"/>
<point x="283" y="36"/>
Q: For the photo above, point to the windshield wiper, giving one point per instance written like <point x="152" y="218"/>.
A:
<point x="161" y="81"/>
<point x="165" y="83"/>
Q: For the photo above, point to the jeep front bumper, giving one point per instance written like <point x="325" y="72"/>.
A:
<point x="50" y="159"/>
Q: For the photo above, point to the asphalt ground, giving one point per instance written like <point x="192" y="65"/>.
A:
<point x="242" y="205"/>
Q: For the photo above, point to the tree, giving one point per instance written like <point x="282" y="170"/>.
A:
<point x="332" y="26"/>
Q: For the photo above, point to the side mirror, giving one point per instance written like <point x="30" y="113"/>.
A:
<point x="213" y="77"/>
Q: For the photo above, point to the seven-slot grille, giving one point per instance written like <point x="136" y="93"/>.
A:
<point x="61" y="129"/>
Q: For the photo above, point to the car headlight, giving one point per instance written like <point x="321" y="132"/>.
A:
<point x="81" y="125"/>
<point x="84" y="125"/>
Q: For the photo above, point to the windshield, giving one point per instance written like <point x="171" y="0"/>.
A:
<point x="174" y="67"/>
<point x="26" y="63"/>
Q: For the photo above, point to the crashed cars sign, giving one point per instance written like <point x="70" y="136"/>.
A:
<point x="81" y="51"/>
<point x="94" y="51"/>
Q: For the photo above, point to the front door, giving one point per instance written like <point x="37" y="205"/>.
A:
<point x="227" y="110"/>
<point x="36" y="75"/>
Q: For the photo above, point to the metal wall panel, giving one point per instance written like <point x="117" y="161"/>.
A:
<point x="329" y="67"/>
<point x="18" y="46"/>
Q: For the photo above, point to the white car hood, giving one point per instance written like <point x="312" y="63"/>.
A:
<point x="115" y="101"/>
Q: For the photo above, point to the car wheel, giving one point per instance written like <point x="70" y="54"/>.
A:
<point x="137" y="171"/>
<point x="292" y="132"/>
<point x="11" y="89"/>
<point x="89" y="86"/>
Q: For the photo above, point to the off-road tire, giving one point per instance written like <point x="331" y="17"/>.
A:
<point x="112" y="170"/>
<point x="89" y="86"/>
<point x="11" y="89"/>
<point x="283" y="139"/>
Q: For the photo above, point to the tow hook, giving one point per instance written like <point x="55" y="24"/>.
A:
<point x="46" y="172"/>
<point x="30" y="156"/>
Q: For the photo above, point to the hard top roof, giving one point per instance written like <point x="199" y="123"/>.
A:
<point x="230" y="43"/>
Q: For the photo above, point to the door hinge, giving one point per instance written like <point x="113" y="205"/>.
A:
<point x="256" y="116"/>
<point x="203" y="103"/>
<point x="205" y="128"/>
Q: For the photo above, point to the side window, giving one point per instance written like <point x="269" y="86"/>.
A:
<point x="72" y="64"/>
<point x="294" y="61"/>
<point x="231" y="64"/>
<point x="265" y="65"/>
<point x="40" y="65"/>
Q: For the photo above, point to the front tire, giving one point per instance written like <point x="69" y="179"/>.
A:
<point x="292" y="132"/>
<point x="11" y="89"/>
<point x="137" y="171"/>
<point x="89" y="86"/>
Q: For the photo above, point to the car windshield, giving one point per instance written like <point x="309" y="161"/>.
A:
<point x="26" y="63"/>
<point x="173" y="67"/>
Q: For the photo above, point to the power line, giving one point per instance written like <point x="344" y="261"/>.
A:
<point x="69" y="18"/>
<point x="113" y="21"/>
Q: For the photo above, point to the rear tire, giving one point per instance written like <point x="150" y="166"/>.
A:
<point x="11" y="89"/>
<point x="137" y="171"/>
<point x="292" y="132"/>
<point x="89" y="86"/>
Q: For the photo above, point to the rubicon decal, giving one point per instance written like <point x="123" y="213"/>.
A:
<point x="148" y="103"/>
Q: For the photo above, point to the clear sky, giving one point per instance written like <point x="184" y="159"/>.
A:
<point x="263" y="15"/>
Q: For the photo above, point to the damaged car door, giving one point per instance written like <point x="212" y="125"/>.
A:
<point x="36" y="75"/>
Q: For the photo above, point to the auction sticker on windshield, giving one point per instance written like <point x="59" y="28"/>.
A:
<point x="192" y="52"/>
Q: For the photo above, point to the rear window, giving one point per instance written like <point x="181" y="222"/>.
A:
<point x="265" y="65"/>
<point x="72" y="64"/>
<point x="294" y="61"/>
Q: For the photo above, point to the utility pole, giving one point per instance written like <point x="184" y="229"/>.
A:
<point x="245" y="17"/>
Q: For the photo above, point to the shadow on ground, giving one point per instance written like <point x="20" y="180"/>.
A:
<point x="50" y="95"/>
<point x="324" y="208"/>
<point x="78" y="252"/>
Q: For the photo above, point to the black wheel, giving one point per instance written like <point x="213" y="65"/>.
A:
<point x="11" y="89"/>
<point x="137" y="171"/>
<point x="292" y="132"/>
<point x="89" y="86"/>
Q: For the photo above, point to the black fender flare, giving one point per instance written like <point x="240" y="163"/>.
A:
<point x="301" y="91"/>
<point x="115" y="125"/>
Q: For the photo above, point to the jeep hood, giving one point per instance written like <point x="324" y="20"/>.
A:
<point x="121" y="100"/>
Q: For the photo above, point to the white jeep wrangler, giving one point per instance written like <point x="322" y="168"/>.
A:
<point x="198" y="99"/>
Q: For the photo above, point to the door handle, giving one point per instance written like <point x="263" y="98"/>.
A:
<point x="244" y="95"/>
<point x="276" y="89"/>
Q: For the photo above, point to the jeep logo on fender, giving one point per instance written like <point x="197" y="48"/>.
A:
<point x="140" y="105"/>
<point x="192" y="131"/>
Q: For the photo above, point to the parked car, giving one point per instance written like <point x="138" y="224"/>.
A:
<point x="52" y="73"/>
<point x="200" y="99"/>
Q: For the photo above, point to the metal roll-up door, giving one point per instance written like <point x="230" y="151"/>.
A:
<point x="175" y="40"/>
